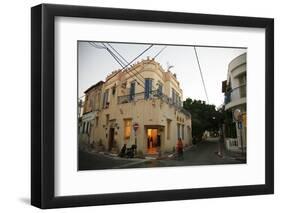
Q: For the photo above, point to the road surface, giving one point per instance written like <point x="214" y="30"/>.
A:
<point x="204" y="153"/>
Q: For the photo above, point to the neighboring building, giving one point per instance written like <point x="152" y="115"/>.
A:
<point x="144" y="95"/>
<point x="91" y="106"/>
<point x="234" y="89"/>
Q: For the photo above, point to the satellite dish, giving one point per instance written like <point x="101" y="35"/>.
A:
<point x="169" y="66"/>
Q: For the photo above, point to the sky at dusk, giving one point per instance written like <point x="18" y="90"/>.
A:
<point x="94" y="64"/>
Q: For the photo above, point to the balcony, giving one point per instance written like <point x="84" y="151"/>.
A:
<point x="235" y="96"/>
<point x="155" y="94"/>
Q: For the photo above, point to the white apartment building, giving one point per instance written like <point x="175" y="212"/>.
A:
<point x="236" y="98"/>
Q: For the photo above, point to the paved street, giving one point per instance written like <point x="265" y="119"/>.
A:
<point x="89" y="161"/>
<point x="204" y="153"/>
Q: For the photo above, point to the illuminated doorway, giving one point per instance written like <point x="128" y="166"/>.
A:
<point x="153" y="141"/>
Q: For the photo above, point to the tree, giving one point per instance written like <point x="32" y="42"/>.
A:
<point x="205" y="117"/>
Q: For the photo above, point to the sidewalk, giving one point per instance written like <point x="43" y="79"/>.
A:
<point x="236" y="155"/>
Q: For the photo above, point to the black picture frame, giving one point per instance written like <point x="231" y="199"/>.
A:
<point x="43" y="105"/>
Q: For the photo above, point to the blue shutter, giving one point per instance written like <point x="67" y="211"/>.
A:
<point x="150" y="86"/>
<point x="132" y="90"/>
<point x="146" y="88"/>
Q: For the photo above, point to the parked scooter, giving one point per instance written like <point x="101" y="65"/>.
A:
<point x="122" y="152"/>
<point x="128" y="152"/>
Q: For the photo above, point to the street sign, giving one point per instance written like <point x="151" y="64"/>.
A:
<point x="135" y="126"/>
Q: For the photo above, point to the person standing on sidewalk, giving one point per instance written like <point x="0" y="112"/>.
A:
<point x="179" y="149"/>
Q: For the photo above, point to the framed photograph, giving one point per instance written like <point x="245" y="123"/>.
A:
<point x="136" y="106"/>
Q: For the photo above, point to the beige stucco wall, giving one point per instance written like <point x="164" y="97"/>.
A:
<point x="149" y="113"/>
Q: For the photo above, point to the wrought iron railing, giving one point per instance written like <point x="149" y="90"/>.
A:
<point x="155" y="94"/>
<point x="235" y="94"/>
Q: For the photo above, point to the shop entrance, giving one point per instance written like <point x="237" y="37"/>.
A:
<point x="153" y="140"/>
<point x="111" y="139"/>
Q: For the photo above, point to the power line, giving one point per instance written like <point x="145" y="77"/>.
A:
<point x="117" y="52"/>
<point x="134" y="59"/>
<point x="115" y="57"/>
<point x="138" y="73"/>
<point x="95" y="45"/>
<point x="122" y="64"/>
<point x="201" y="74"/>
<point x="142" y="80"/>
<point x="118" y="60"/>
<point x="160" y="52"/>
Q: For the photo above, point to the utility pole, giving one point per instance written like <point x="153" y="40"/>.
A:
<point x="222" y="133"/>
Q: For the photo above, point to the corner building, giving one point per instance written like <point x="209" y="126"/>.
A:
<point x="143" y="96"/>
<point x="236" y="98"/>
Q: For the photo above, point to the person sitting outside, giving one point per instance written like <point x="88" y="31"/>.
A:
<point x="122" y="152"/>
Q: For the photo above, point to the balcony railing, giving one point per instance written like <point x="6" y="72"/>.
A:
<point x="155" y="94"/>
<point x="235" y="94"/>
